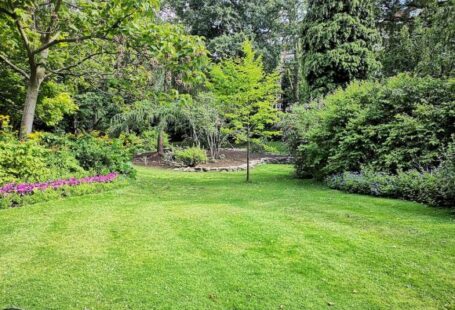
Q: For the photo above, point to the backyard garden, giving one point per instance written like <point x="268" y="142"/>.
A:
<point x="192" y="154"/>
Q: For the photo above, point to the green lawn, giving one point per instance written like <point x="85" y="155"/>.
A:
<point x="175" y="240"/>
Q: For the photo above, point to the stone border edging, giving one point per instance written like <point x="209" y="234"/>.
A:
<point x="253" y="163"/>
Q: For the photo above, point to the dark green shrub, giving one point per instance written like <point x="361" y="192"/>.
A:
<point x="435" y="187"/>
<point x="101" y="154"/>
<point x="192" y="156"/>
<point x="401" y="124"/>
<point x="145" y="142"/>
<point x="94" y="153"/>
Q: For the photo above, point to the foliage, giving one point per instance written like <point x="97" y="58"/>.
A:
<point x="422" y="42"/>
<point x="339" y="41"/>
<point x="145" y="142"/>
<point x="435" y="187"/>
<point x="403" y="123"/>
<point x="227" y="24"/>
<point x="83" y="188"/>
<point x="30" y="162"/>
<point x="101" y="154"/>
<point x="55" y="104"/>
<point x="246" y="95"/>
<point x="206" y="122"/>
<point x="39" y="38"/>
<point x="12" y="93"/>
<point x="191" y="157"/>
<point x="95" y="110"/>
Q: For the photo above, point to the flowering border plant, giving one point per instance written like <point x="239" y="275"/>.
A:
<point x="30" y="188"/>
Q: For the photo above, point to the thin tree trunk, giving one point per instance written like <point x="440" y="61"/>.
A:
<point x="248" y="155"/>
<point x="160" y="143"/>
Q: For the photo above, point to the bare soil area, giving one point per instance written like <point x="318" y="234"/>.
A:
<point x="230" y="157"/>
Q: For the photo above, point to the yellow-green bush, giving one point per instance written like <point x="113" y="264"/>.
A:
<point x="192" y="156"/>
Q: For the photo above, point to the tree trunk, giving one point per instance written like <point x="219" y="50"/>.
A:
<point x="248" y="155"/>
<point x="37" y="74"/>
<point x="28" y="115"/>
<point x="160" y="143"/>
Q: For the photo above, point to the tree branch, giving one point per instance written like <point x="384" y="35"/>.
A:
<point x="63" y="71"/>
<point x="14" y="67"/>
<point x="54" y="18"/>
<point x="68" y="40"/>
<point x="21" y="31"/>
<point x="25" y="39"/>
<point x="53" y="42"/>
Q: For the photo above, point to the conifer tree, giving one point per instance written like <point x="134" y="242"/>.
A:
<point x="339" y="41"/>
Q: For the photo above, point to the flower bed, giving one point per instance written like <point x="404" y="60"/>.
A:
<point x="30" y="188"/>
<point x="16" y="195"/>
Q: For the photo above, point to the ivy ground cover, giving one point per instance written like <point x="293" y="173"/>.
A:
<point x="175" y="240"/>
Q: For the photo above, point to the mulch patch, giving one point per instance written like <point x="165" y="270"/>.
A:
<point x="231" y="157"/>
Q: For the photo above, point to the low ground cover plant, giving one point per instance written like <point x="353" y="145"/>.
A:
<point x="436" y="188"/>
<point x="191" y="157"/>
<point x="30" y="188"/>
<point x="16" y="195"/>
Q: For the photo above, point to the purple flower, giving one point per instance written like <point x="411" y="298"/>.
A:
<point x="30" y="188"/>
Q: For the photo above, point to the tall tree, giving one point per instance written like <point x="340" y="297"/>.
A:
<point x="339" y="40"/>
<point x="41" y="38"/>
<point x="247" y="95"/>
<point x="418" y="37"/>
<point x="226" y="25"/>
<point x="291" y="56"/>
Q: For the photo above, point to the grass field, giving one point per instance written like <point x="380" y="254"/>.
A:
<point x="175" y="240"/>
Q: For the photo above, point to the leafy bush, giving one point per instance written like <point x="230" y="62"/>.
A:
<point x="31" y="162"/>
<point x="145" y="142"/>
<point x="46" y="156"/>
<point x="192" y="156"/>
<point x="101" y="154"/>
<point x="401" y="124"/>
<point x="435" y="187"/>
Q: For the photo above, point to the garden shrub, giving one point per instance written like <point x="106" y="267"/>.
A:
<point x="101" y="154"/>
<point x="30" y="162"/>
<point x="46" y="156"/>
<point x="145" y="142"/>
<point x="435" y="187"/>
<point x="192" y="156"/>
<point x="401" y="124"/>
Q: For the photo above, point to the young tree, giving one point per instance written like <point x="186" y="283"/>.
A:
<point x="247" y="96"/>
<point x="339" y="40"/>
<point x="206" y="122"/>
<point x="41" y="38"/>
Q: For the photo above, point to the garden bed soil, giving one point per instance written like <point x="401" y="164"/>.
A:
<point x="230" y="158"/>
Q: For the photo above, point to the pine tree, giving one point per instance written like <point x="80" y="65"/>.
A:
<point x="339" y="40"/>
